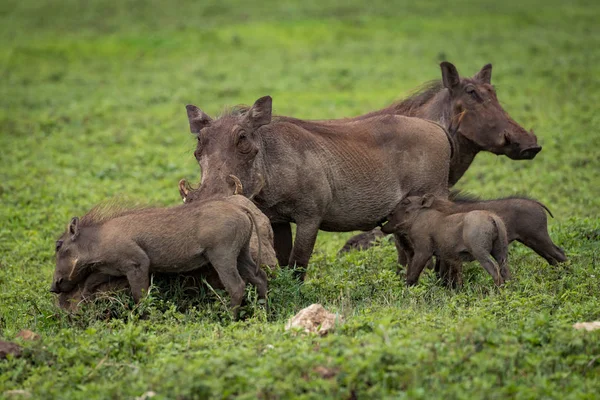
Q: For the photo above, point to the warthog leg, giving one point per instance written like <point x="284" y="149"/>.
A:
<point x="138" y="274"/>
<point x="251" y="273"/>
<point x="224" y="262"/>
<point x="404" y="248"/>
<point x="450" y="273"/>
<point x="306" y="236"/>
<point x="543" y="245"/>
<point x="489" y="264"/>
<point x="282" y="238"/>
<point x="416" y="266"/>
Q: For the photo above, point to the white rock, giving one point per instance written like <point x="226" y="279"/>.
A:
<point x="17" y="393"/>
<point x="588" y="326"/>
<point x="313" y="319"/>
<point x="146" y="396"/>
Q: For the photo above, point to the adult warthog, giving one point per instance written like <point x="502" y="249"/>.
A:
<point x="484" y="125"/>
<point x="320" y="175"/>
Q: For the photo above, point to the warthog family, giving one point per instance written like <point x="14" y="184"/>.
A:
<point x="484" y="126"/>
<point x="395" y="164"/>
<point x="434" y="229"/>
<point x="525" y="220"/>
<point x="335" y="176"/>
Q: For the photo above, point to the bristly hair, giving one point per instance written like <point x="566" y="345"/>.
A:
<point x="411" y="104"/>
<point x="418" y="97"/>
<point x="459" y="196"/>
<point x="234" y="111"/>
<point x="106" y="211"/>
<point x="316" y="126"/>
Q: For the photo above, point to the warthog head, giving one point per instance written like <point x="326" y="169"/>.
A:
<point x="485" y="123"/>
<point x="405" y="212"/>
<point x="229" y="146"/>
<point x="68" y="253"/>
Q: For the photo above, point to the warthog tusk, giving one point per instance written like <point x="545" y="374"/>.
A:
<point x="239" y="189"/>
<point x="73" y="268"/>
<point x="184" y="189"/>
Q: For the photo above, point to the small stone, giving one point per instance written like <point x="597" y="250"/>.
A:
<point x="20" y="393"/>
<point x="313" y="319"/>
<point x="588" y="326"/>
<point x="147" y="395"/>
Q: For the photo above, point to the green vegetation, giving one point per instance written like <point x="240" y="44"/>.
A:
<point x="92" y="99"/>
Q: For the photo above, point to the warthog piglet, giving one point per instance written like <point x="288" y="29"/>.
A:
<point x="135" y="243"/>
<point x="475" y="235"/>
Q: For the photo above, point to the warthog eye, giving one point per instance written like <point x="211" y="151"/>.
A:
<point x="243" y="144"/>
<point x="470" y="90"/>
<point x="58" y="244"/>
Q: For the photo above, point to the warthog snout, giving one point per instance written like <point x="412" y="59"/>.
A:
<point x="55" y="286"/>
<point x="530" y="153"/>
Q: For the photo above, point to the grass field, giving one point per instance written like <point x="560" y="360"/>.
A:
<point x="92" y="99"/>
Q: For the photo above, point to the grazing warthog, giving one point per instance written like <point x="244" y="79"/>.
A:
<point x="135" y="243"/>
<point x="89" y="288"/>
<point x="99" y="284"/>
<point x="331" y="176"/>
<point x="264" y="232"/>
<point x="484" y="126"/>
<point x="433" y="229"/>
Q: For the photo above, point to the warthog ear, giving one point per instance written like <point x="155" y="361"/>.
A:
<point x="450" y="77"/>
<point x="260" y="113"/>
<point x="74" y="228"/>
<point x="485" y="75"/>
<point x="427" y="200"/>
<point x="198" y="119"/>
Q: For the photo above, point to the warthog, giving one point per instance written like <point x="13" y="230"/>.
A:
<point x="331" y="176"/>
<point x="88" y="288"/>
<point x="432" y="229"/>
<point x="484" y="126"/>
<point x="263" y="225"/>
<point x="98" y="284"/>
<point x="525" y="220"/>
<point x="135" y="243"/>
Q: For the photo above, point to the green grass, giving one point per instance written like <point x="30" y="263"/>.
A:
<point x="92" y="99"/>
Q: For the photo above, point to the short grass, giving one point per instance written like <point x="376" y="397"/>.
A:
<point x="92" y="99"/>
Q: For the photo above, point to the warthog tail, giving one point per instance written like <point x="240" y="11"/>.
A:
<point x="255" y="228"/>
<point x="502" y="243"/>
<point x="545" y="208"/>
